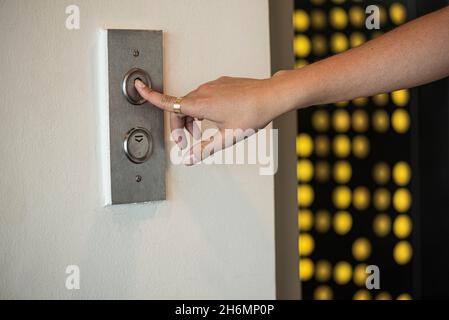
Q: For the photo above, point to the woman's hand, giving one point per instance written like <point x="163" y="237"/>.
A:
<point x="230" y="103"/>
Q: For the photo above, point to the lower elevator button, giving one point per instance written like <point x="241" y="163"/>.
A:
<point x="138" y="145"/>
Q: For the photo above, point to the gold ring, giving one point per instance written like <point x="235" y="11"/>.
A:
<point x="177" y="106"/>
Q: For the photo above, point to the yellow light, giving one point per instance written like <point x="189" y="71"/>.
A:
<point x="361" y="198"/>
<point x="306" y="269"/>
<point x="382" y="199"/>
<point x="381" y="100"/>
<point x="357" y="39"/>
<point x="323" y="271"/>
<point x="305" y="220"/>
<point x="381" y="173"/>
<point x="339" y="42"/>
<point x="304" y="170"/>
<point x="377" y="34"/>
<point x="404" y="296"/>
<point x="402" y="226"/>
<point x="338" y="1"/>
<point x="304" y="145"/>
<point x="342" y="146"/>
<point x="360" y="121"/>
<point x="357" y="16"/>
<point x="362" y="294"/>
<point x="383" y="15"/>
<point x="342" y="104"/>
<point x="323" y="293"/>
<point x="342" y="272"/>
<point x="301" y="63"/>
<point x="319" y="20"/>
<point x="338" y="18"/>
<point x="302" y="46"/>
<point x="402" y="252"/>
<point x="382" y="225"/>
<point x="322" y="171"/>
<point x="320" y="120"/>
<point x="306" y="244"/>
<point x="319" y="45"/>
<point x="400" y="121"/>
<point x="317" y="2"/>
<point x="400" y="97"/>
<point x="322" y="146"/>
<point x="381" y="121"/>
<point x="360" y="102"/>
<point x="342" y="172"/>
<point x="360" y="274"/>
<point x="305" y="195"/>
<point x="341" y="197"/>
<point x="341" y="120"/>
<point x="342" y="222"/>
<point x="301" y="20"/>
<point x="383" y="296"/>
<point x="322" y="221"/>
<point x="398" y="13"/>
<point x="360" y="146"/>
<point x="402" y="200"/>
<point x="402" y="173"/>
<point x="361" y="249"/>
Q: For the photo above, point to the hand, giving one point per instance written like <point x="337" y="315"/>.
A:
<point x="230" y="103"/>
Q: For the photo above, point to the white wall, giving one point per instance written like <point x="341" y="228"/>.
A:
<point x="213" y="237"/>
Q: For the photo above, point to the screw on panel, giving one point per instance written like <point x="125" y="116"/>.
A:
<point x="138" y="178"/>
<point x="136" y="53"/>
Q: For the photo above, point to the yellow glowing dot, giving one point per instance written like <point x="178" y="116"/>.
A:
<point x="323" y="271"/>
<point x="319" y="20"/>
<point x="360" y="274"/>
<point x="319" y="45"/>
<point x="381" y="173"/>
<point x="342" y="104"/>
<point x="342" y="172"/>
<point x="402" y="173"/>
<point x="323" y="293"/>
<point x="304" y="170"/>
<point x="400" y="121"/>
<point x="338" y="1"/>
<point x="322" y="171"/>
<point x="398" y="13"/>
<point x="322" y="221"/>
<point x="305" y="220"/>
<point x="376" y="34"/>
<point x="301" y="63"/>
<point x="382" y="199"/>
<point x="320" y="120"/>
<point x="306" y="269"/>
<point x="341" y="121"/>
<point x="342" y="197"/>
<point x="361" y="249"/>
<point x="402" y="200"/>
<point x="383" y="16"/>
<point x="400" y="97"/>
<point x="304" y="145"/>
<point x="339" y="42"/>
<point x="357" y="39"/>
<point x="360" y="121"/>
<point x="301" y="20"/>
<point x="338" y="18"/>
<point x="357" y="16"/>
<point x="360" y="146"/>
<point x="342" y="222"/>
<point x="404" y="296"/>
<point x="383" y="296"/>
<point x="302" y="46"/>
<point x="322" y="146"/>
<point x="342" y="146"/>
<point x="360" y="102"/>
<point x="402" y="252"/>
<point x="305" y="195"/>
<point x="381" y="100"/>
<point x="361" y="198"/>
<point x="381" y="121"/>
<point x="342" y="272"/>
<point x="382" y="225"/>
<point x="306" y="244"/>
<point x="402" y="226"/>
<point x="362" y="294"/>
<point x="317" y="2"/>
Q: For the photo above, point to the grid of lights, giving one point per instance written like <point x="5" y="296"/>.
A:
<point x="354" y="167"/>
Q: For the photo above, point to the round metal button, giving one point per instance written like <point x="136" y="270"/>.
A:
<point x="129" y="90"/>
<point x="138" y="145"/>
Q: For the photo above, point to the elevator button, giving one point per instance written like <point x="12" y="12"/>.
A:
<point x="138" y="145"/>
<point x="128" y="88"/>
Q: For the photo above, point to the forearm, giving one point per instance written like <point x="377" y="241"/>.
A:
<point x="411" y="55"/>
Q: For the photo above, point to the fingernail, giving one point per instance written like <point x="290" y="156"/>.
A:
<point x="139" y="84"/>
